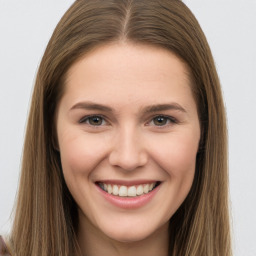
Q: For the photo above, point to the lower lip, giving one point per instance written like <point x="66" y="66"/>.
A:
<point x="129" y="202"/>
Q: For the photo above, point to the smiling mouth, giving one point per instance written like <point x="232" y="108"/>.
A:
<point x="128" y="191"/>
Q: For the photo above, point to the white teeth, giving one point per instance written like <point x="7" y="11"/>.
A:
<point x="146" y="189"/>
<point x="115" y="190"/>
<point x="139" y="190"/>
<point x="109" y="189"/>
<point x="125" y="191"/>
<point x="132" y="191"/>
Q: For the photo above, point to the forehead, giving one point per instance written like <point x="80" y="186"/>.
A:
<point x="128" y="71"/>
<point x="119" y="56"/>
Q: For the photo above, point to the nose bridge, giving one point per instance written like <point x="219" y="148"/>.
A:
<point x="128" y="151"/>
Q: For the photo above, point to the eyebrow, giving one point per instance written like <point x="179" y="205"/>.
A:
<point x="149" y="109"/>
<point x="163" y="107"/>
<point x="91" y="106"/>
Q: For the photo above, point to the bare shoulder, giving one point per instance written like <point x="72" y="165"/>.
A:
<point x="3" y="248"/>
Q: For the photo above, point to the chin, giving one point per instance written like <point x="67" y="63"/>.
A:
<point x="133" y="233"/>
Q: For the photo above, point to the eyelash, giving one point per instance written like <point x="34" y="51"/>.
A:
<point x="86" y="120"/>
<point x="167" y="119"/>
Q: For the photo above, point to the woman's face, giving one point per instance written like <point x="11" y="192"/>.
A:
<point x="128" y="134"/>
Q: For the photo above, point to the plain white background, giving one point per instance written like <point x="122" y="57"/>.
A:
<point x="230" y="26"/>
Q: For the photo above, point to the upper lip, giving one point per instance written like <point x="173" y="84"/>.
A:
<point x="127" y="182"/>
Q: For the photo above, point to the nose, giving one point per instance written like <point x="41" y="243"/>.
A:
<point x="128" y="150"/>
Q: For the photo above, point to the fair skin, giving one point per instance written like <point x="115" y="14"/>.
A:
<point x="127" y="119"/>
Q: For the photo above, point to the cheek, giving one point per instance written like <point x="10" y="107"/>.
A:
<point x="178" y="160"/>
<point x="177" y="155"/>
<point x="80" y="154"/>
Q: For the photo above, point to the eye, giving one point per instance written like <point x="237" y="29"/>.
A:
<point x="93" y="120"/>
<point x="162" y="121"/>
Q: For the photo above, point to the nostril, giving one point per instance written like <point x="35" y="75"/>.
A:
<point x="128" y="161"/>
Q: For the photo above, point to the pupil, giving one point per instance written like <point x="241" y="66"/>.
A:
<point x="160" y="121"/>
<point x="95" y="120"/>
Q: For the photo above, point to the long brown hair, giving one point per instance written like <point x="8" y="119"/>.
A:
<point x="46" y="218"/>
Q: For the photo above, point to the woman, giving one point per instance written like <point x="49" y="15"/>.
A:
<point x="125" y="151"/>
